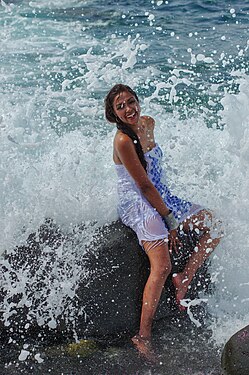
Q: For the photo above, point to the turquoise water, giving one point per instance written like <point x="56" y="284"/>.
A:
<point x="188" y="61"/>
<point x="51" y="47"/>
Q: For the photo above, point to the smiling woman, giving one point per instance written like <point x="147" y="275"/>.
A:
<point x="147" y="206"/>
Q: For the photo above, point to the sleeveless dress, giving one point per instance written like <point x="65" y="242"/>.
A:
<point x="134" y="209"/>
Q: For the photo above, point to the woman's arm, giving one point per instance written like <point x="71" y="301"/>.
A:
<point x="127" y="154"/>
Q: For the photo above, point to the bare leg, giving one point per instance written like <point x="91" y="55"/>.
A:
<point x="160" y="268"/>
<point x="204" y="248"/>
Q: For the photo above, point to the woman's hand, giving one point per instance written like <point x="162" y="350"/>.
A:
<point x="174" y="242"/>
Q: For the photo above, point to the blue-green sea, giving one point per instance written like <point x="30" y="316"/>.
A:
<point x="189" y="63"/>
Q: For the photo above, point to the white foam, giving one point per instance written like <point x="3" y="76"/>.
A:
<point x="56" y="149"/>
<point x="38" y="358"/>
<point x="23" y="355"/>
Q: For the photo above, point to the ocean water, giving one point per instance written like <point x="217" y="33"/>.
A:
<point x="188" y="61"/>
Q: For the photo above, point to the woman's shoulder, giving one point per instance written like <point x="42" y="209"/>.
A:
<point x="121" y="140"/>
<point x="148" y="121"/>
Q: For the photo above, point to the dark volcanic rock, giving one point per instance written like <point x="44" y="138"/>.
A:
<point x="235" y="356"/>
<point x="94" y="292"/>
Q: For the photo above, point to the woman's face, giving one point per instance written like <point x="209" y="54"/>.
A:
<point x="126" y="108"/>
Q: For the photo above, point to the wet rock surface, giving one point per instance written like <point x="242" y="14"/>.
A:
<point x="107" y="298"/>
<point x="54" y="291"/>
<point x="182" y="348"/>
<point x="235" y="356"/>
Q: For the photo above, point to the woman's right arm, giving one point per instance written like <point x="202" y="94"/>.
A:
<point x="126" y="152"/>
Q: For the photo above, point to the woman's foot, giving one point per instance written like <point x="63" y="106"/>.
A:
<point x="181" y="286"/>
<point x="144" y="348"/>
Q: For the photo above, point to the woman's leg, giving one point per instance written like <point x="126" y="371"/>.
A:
<point x="211" y="235"/>
<point x="160" y="268"/>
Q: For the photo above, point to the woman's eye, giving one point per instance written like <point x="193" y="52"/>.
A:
<point x="120" y="106"/>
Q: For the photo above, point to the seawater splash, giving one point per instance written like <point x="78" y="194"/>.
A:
<point x="39" y="282"/>
<point x="53" y="184"/>
<point x="56" y="148"/>
<point x="217" y="177"/>
<point x="230" y="304"/>
<point x="188" y="303"/>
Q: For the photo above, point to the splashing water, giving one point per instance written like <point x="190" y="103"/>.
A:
<point x="56" y="66"/>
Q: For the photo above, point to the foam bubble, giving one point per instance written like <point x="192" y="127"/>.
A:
<point x="23" y="355"/>
<point x="38" y="358"/>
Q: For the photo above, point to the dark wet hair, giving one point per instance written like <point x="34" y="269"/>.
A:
<point x="111" y="117"/>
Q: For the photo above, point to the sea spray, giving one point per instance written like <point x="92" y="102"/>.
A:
<point x="57" y="63"/>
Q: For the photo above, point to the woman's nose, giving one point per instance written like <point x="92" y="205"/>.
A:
<point x="128" y="107"/>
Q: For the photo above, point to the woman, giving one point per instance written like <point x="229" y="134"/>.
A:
<point x="147" y="206"/>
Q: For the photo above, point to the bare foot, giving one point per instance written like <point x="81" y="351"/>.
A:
<point x="144" y="348"/>
<point x="181" y="287"/>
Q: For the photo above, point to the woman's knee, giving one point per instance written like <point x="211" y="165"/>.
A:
<point x="213" y="225"/>
<point x="162" y="270"/>
<point x="207" y="222"/>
